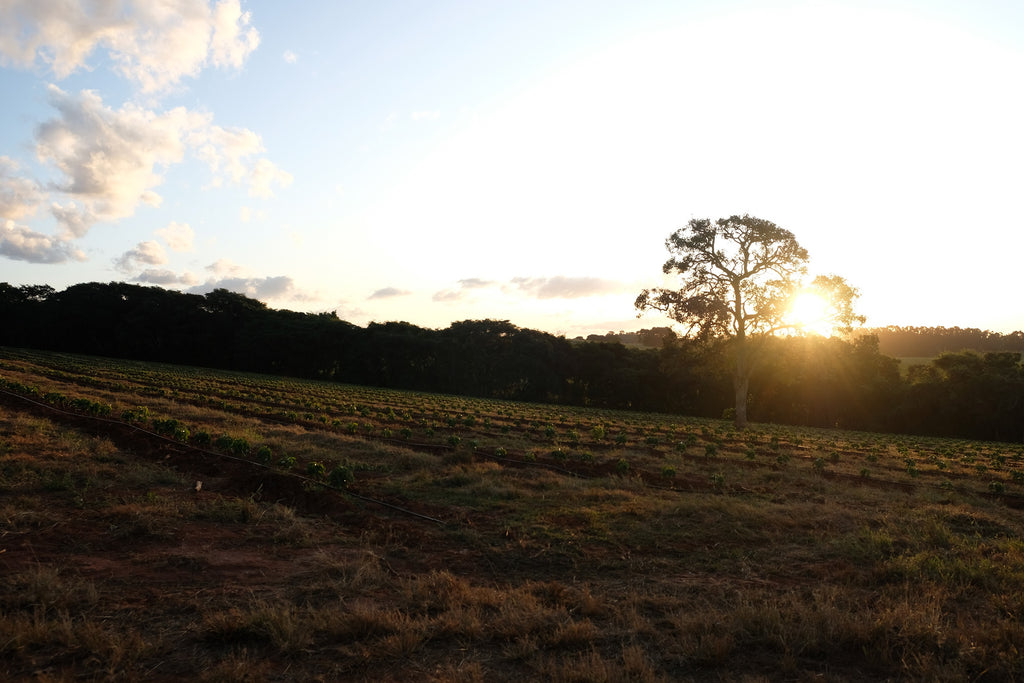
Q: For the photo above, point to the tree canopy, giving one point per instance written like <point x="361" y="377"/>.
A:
<point x="798" y="379"/>
<point x="738" y="277"/>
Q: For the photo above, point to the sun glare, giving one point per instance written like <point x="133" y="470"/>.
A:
<point x="809" y="314"/>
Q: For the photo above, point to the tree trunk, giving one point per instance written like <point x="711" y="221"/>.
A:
<point x="741" y="382"/>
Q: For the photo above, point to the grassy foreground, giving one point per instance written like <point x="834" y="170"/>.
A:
<point x="163" y="523"/>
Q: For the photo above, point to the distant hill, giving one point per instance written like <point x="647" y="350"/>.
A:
<point x="893" y="341"/>
<point x="653" y="338"/>
<point x="928" y="342"/>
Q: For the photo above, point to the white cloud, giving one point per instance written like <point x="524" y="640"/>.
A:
<point x="448" y="295"/>
<point x="148" y="253"/>
<point x="264" y="175"/>
<point x="233" y="39"/>
<point x="474" y="283"/>
<point x="20" y="243"/>
<point x="224" y="268"/>
<point x="178" y="236"/>
<point x="426" y="115"/>
<point x="225" y="149"/>
<point x="562" y="287"/>
<point x="274" y="288"/>
<point x="111" y="160"/>
<point x="460" y="293"/>
<point x="76" y="220"/>
<point x="153" y="44"/>
<point x="389" y="293"/>
<point x="290" y="57"/>
<point x="227" y="152"/>
<point x="158" y="276"/>
<point x="19" y="197"/>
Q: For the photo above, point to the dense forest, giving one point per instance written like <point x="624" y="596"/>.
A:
<point x="973" y="388"/>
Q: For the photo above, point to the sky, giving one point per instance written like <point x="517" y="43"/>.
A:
<point x="437" y="161"/>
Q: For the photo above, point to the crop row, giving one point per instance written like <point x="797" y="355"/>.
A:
<point x="664" y="443"/>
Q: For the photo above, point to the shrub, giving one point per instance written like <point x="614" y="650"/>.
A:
<point x="341" y="476"/>
<point x="138" y="414"/>
<point x="264" y="455"/>
<point x="316" y="469"/>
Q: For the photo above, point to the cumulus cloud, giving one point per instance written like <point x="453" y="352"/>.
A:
<point x="228" y="152"/>
<point x="108" y="159"/>
<point x="145" y="253"/>
<point x="225" y="149"/>
<point x="178" y="236"/>
<point x="562" y="287"/>
<point x="448" y="295"/>
<point x="263" y="176"/>
<point x="111" y="160"/>
<point x="474" y="283"/>
<point x="460" y="293"/>
<point x="290" y="57"/>
<point x="223" y="268"/>
<point x="152" y="44"/>
<point x="76" y="220"/>
<point x="388" y="293"/>
<point x="226" y="274"/>
<point x="166" y="278"/>
<point x="280" y="287"/>
<point x="20" y="243"/>
<point x="19" y="196"/>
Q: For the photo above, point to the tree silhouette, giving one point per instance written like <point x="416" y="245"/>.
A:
<point x="738" y="276"/>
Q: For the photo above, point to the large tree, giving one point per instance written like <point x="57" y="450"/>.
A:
<point x="740" y="276"/>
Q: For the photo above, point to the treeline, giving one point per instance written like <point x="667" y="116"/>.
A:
<point x="808" y="381"/>
<point x="929" y="342"/>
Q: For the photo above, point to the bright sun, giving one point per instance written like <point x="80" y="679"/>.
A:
<point x="809" y="313"/>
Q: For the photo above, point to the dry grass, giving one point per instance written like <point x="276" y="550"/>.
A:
<point x="747" y="570"/>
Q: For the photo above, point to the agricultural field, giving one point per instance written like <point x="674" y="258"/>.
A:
<point x="164" y="523"/>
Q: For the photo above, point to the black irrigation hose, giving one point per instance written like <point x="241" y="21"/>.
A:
<point x="226" y="456"/>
